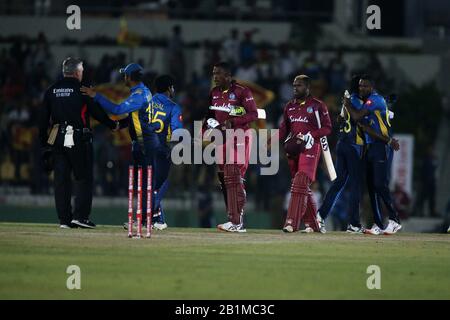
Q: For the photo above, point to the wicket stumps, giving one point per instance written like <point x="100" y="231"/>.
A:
<point x="130" y="200"/>
<point x="149" y="200"/>
<point x="139" y="201"/>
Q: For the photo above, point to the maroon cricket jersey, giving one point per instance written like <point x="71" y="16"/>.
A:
<point x="235" y="97"/>
<point x="300" y="117"/>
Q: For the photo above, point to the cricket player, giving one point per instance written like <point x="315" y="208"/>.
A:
<point x="135" y="106"/>
<point x="164" y="117"/>
<point x="349" y="166"/>
<point x="231" y="172"/>
<point x="349" y="162"/>
<point x="378" y="155"/>
<point x="300" y="123"/>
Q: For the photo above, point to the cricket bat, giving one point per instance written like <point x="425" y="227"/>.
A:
<point x="261" y="112"/>
<point x="326" y="152"/>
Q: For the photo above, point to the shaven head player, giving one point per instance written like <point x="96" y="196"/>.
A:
<point x="222" y="76"/>
<point x="239" y="100"/>
<point x="378" y="157"/>
<point x="300" y="122"/>
<point x="301" y="87"/>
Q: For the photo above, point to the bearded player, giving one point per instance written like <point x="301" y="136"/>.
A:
<point x="298" y="131"/>
<point x="239" y="99"/>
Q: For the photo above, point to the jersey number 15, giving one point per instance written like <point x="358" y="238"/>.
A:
<point x="155" y="119"/>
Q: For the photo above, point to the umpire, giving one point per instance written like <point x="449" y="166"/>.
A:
<point x="67" y="146"/>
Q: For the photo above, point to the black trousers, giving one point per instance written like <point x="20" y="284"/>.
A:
<point x="78" y="161"/>
<point x="349" y="172"/>
<point x="378" y="164"/>
<point x="156" y="155"/>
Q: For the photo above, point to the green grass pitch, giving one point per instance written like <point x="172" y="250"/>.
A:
<point x="207" y="264"/>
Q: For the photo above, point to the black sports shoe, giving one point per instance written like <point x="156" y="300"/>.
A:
<point x="355" y="229"/>
<point x="85" y="224"/>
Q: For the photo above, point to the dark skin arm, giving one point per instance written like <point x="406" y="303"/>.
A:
<point x="123" y="123"/>
<point x="391" y="141"/>
<point x="100" y="115"/>
<point x="339" y="119"/>
<point x="356" y="115"/>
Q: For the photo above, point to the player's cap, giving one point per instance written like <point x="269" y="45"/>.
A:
<point x="131" y="68"/>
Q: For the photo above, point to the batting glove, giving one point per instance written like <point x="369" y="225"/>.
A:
<point x="212" y="123"/>
<point x="308" y="139"/>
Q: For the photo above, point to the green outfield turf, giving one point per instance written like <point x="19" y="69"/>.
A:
<point x="207" y="264"/>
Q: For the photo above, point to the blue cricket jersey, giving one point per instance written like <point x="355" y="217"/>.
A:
<point x="163" y="116"/>
<point x="135" y="105"/>
<point x="349" y="130"/>
<point x="378" y="118"/>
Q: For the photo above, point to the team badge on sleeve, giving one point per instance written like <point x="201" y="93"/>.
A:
<point x="310" y="109"/>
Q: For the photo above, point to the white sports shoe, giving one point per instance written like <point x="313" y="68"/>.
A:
<point x="224" y="226"/>
<point x="375" y="230"/>
<point x="288" y="229"/>
<point x="393" y="227"/>
<point x="231" y="227"/>
<point x="448" y="230"/>
<point x="321" y="223"/>
<point x="160" y="226"/>
<point x="307" y="230"/>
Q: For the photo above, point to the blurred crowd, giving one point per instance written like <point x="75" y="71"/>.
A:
<point x="193" y="9"/>
<point x="26" y="71"/>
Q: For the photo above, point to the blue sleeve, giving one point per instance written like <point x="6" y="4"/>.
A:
<point x="132" y="103"/>
<point x="176" y="119"/>
<point x="356" y="102"/>
<point x="375" y="103"/>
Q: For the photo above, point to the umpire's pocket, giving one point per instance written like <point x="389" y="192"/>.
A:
<point x="59" y="140"/>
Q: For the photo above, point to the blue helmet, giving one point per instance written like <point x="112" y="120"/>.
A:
<point x="131" y="68"/>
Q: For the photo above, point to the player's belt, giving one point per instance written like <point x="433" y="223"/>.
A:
<point x="84" y="130"/>
<point x="62" y="129"/>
